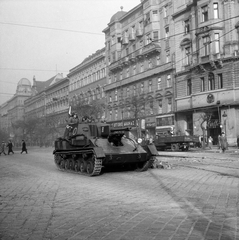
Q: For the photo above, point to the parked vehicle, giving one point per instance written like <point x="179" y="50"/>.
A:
<point x="165" y="142"/>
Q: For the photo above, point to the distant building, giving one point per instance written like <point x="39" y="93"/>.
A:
<point x="13" y="110"/>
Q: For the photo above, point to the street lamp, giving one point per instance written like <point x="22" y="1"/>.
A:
<point x="224" y="115"/>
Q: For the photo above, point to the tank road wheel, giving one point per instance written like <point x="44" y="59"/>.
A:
<point x="82" y="165"/>
<point x="57" y="159"/>
<point x="77" y="165"/>
<point x="90" y="167"/>
<point x="71" y="164"/>
<point x="62" y="164"/>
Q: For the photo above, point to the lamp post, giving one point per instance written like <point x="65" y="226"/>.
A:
<point x="224" y="115"/>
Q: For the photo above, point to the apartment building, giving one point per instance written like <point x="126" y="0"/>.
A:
<point x="87" y="80"/>
<point x="139" y="59"/>
<point x="207" y="67"/>
<point x="13" y="110"/>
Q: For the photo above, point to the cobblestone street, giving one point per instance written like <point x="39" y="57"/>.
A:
<point x="185" y="202"/>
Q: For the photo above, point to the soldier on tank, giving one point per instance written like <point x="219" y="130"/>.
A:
<point x="73" y="120"/>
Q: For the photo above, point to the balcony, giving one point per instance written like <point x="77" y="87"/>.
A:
<point x="132" y="57"/>
<point x="151" y="48"/>
<point x="132" y="36"/>
<point x="139" y="32"/>
<point x="114" y="66"/>
<point x="125" y="61"/>
<point x="139" y="53"/>
<point x="125" y="40"/>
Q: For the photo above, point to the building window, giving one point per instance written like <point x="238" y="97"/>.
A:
<point x="127" y="72"/>
<point x="116" y="95"/>
<point x="150" y="63"/>
<point x="204" y="13"/>
<point x="186" y="26"/>
<point x="147" y="20"/>
<point x="217" y="43"/>
<point x="121" y="75"/>
<point x="167" y="56"/>
<point x="159" y="84"/>
<point x="110" y="115"/>
<point x="160" y="106"/>
<point x="158" y="60"/>
<point x="155" y="36"/>
<point x="134" y="69"/>
<point x="166" y="32"/>
<point x="116" y="114"/>
<point x="151" y="107"/>
<point x="134" y="90"/>
<point x="220" y="81"/>
<point x="150" y="86"/>
<point x="165" y="11"/>
<point x="206" y="43"/>
<point x="187" y="56"/>
<point x="189" y="87"/>
<point x="202" y="84"/>
<point x="169" y="81"/>
<point x="215" y="11"/>
<point x="148" y="39"/>
<point x="110" y="99"/>
<point x="113" y="40"/>
<point x="211" y="82"/>
<point x="128" y="112"/>
<point x="141" y="66"/>
<point x="155" y="15"/>
<point x="169" y="107"/>
<point x="127" y="92"/>
<point x="142" y="88"/>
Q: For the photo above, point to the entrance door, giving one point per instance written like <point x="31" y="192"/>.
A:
<point x="213" y="127"/>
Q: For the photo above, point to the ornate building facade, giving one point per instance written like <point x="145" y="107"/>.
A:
<point x="207" y="67"/>
<point x="88" y="79"/>
<point x="139" y="58"/>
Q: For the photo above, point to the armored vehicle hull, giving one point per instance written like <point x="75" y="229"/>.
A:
<point x="91" y="147"/>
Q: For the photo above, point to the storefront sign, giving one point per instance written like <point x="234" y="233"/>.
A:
<point x="124" y="124"/>
<point x="150" y="124"/>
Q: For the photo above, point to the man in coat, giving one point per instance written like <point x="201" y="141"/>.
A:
<point x="223" y="142"/>
<point x="10" y="146"/>
<point x="24" y="148"/>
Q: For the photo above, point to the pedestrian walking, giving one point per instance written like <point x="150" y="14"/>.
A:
<point x="3" y="145"/>
<point x="210" y="140"/>
<point x="10" y="146"/>
<point x="24" y="147"/>
<point x="219" y="141"/>
<point x="238" y="141"/>
<point x="224" y="143"/>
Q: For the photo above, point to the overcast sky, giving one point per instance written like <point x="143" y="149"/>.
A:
<point x="43" y="37"/>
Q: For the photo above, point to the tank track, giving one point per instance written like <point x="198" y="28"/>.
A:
<point x="63" y="165"/>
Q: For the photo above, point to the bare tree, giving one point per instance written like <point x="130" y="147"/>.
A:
<point x="204" y="120"/>
<point x="95" y="108"/>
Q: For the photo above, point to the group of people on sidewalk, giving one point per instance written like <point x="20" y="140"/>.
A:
<point x="222" y="142"/>
<point x="10" y="145"/>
